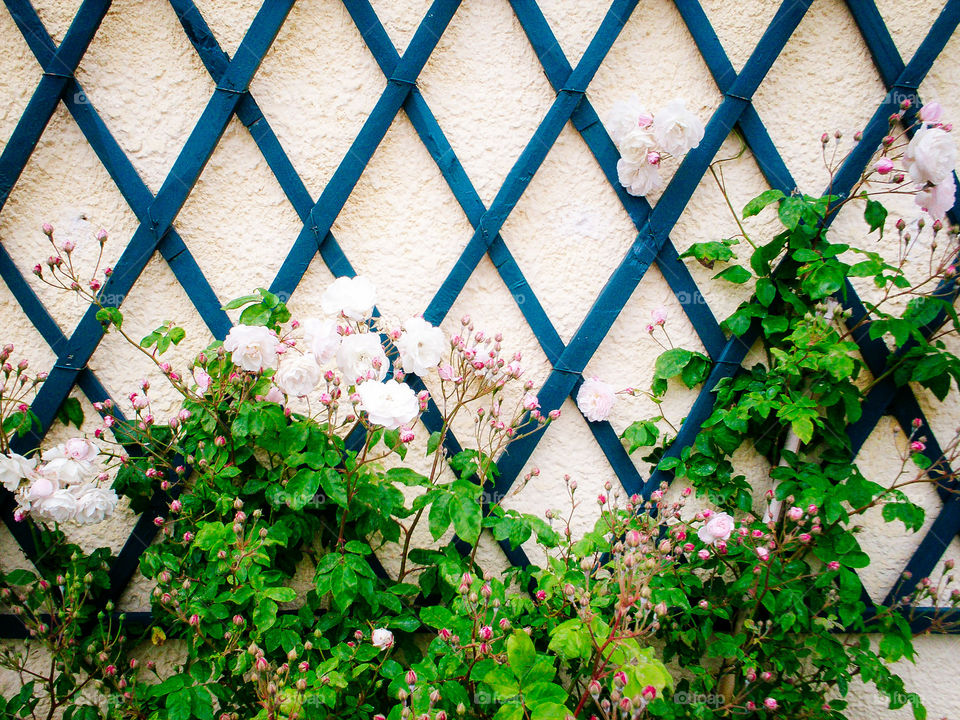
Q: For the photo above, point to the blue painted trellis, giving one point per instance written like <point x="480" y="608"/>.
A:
<point x="156" y="214"/>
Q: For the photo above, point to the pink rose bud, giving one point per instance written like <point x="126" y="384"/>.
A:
<point x="176" y="506"/>
<point x="765" y="676"/>
<point x="653" y="158"/>
<point x="219" y="441"/>
<point x="884" y="166"/>
<point x="795" y="513"/>
<point x="261" y="663"/>
<point x="811" y="509"/>
<point x="541" y="595"/>
<point x="47" y="229"/>
<point x="770" y="704"/>
<point x="102" y="235"/>
<point x="411" y="677"/>
<point x="833" y="565"/>
<point x="620" y="678"/>
<point x="194" y="620"/>
<point x="917" y="446"/>
<point x="649" y="693"/>
<point x="931" y="112"/>
<point x="594" y="688"/>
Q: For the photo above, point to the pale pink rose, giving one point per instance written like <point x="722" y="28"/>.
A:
<point x="274" y="395"/>
<point x="795" y="513"/>
<point x="717" y="529"/>
<point x="763" y="553"/>
<point x="202" y="378"/>
<point x="421" y="346"/>
<point x="659" y="315"/>
<point x="252" y="347"/>
<point x="530" y="402"/>
<point x="298" y="375"/>
<point x="80" y="450"/>
<point x="322" y="338"/>
<point x="638" y="178"/>
<point x="14" y="468"/>
<point x="595" y="399"/>
<point x="361" y="356"/>
<point x="636" y="145"/>
<point x="389" y="404"/>
<point x="677" y="129"/>
<point x="937" y="199"/>
<point x="625" y="116"/>
<point x="381" y="638"/>
<point x="931" y="112"/>
<point x="353" y="298"/>
<point x="931" y="155"/>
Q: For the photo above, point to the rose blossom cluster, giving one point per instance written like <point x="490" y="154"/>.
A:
<point x="344" y="337"/>
<point x="929" y="159"/>
<point x="644" y="140"/>
<point x="63" y="487"/>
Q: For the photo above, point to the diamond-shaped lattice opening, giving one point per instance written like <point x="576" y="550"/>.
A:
<point x="227" y="21"/>
<point x="655" y="30"/>
<point x="57" y="15"/>
<point x="708" y="218"/>
<point x="492" y="309"/>
<point x="385" y="231"/>
<point x="494" y="81"/>
<point x="628" y="354"/>
<point x="827" y="46"/>
<point x="890" y="547"/>
<point x="47" y="192"/>
<point x="238" y="204"/>
<point x="583" y="238"/>
<point x="400" y="19"/>
<point x="566" y="448"/>
<point x="574" y="24"/>
<point x="909" y="28"/>
<point x="316" y="114"/>
<point x="120" y="366"/>
<point x="739" y="32"/>
<point x="150" y="122"/>
<point x="20" y="73"/>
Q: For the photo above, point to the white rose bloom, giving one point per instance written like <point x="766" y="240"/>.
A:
<point x="94" y="504"/>
<point x="677" y="129"/>
<point x="931" y="155"/>
<point x="322" y="338"/>
<point x="358" y="355"/>
<point x="71" y="462"/>
<point x="937" y="199"/>
<point x="381" y="638"/>
<point x="390" y="404"/>
<point x="298" y="375"/>
<point x="352" y="297"/>
<point x="14" y="468"/>
<point x="638" y="178"/>
<point x="253" y="347"/>
<point x="624" y="117"/>
<point x="637" y="144"/>
<point x="421" y="346"/>
<point x="60" y="506"/>
<point x="595" y="399"/>
<point x="41" y="486"/>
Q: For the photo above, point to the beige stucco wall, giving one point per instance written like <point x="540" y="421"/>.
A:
<point x="402" y="224"/>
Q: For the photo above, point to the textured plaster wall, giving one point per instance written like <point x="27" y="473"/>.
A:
<point x="403" y="226"/>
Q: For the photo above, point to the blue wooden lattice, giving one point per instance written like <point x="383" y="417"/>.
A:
<point x="652" y="245"/>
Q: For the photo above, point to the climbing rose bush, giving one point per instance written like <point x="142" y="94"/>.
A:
<point x="323" y="541"/>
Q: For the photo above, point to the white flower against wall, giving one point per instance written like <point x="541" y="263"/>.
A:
<point x="353" y="298"/>
<point x="253" y="347"/>
<point x="638" y="178"/>
<point x="717" y="528"/>
<point x="14" y="469"/>
<point x="677" y="129"/>
<point x="931" y="155"/>
<point x="937" y="199"/>
<point x="595" y="399"/>
<point x="322" y="337"/>
<point x="362" y="357"/>
<point x="94" y="504"/>
<point x="626" y="115"/>
<point x="389" y="404"/>
<point x="421" y="346"/>
<point x="298" y="375"/>
<point x="60" y="506"/>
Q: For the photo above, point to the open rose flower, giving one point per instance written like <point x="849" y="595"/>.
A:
<point x="389" y="404"/>
<point x="298" y="375"/>
<point x="381" y="638"/>
<point x="202" y="378"/>
<point x="638" y="178"/>
<point x="716" y="529"/>
<point x="253" y="347"/>
<point x="637" y="144"/>
<point x="322" y="338"/>
<point x="677" y="129"/>
<point x="361" y="357"/>
<point x="595" y="399"/>
<point x="931" y="155"/>
<point x="14" y="468"/>
<point x="421" y="346"/>
<point x="94" y="504"/>
<point x="59" y="507"/>
<point x="352" y="297"/>
<point x="625" y="116"/>
<point x="937" y="199"/>
<point x="71" y="462"/>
